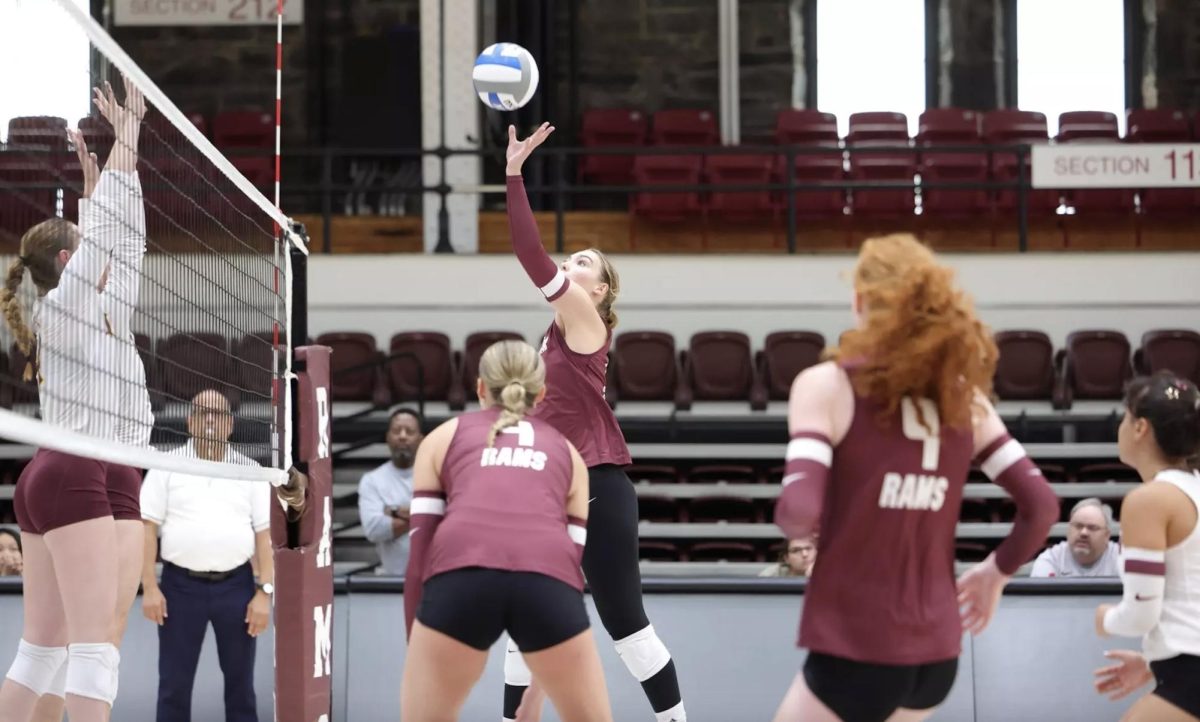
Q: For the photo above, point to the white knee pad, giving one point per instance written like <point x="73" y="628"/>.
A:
<point x="92" y="671"/>
<point x="516" y="672"/>
<point x="643" y="653"/>
<point x="37" y="667"/>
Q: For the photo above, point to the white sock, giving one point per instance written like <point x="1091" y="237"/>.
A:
<point x="675" y="714"/>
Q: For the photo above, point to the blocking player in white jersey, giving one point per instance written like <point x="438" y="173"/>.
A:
<point x="1160" y="554"/>
<point x="77" y="588"/>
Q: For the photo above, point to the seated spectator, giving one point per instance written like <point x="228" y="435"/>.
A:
<point x="796" y="560"/>
<point x="385" y="493"/>
<point x="1088" y="551"/>
<point x="10" y="553"/>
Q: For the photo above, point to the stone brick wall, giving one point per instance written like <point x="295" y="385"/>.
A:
<point x="1178" y="54"/>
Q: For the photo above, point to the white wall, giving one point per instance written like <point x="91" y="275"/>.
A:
<point x="1056" y="293"/>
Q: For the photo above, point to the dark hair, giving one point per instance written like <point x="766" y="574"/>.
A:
<point x="408" y="411"/>
<point x="1172" y="406"/>
<point x="15" y="535"/>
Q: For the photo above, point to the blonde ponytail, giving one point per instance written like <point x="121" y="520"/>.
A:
<point x="513" y="373"/>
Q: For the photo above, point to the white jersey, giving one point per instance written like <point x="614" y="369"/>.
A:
<point x="90" y="376"/>
<point x="1178" y="629"/>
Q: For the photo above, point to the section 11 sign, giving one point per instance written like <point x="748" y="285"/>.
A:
<point x="1116" y="165"/>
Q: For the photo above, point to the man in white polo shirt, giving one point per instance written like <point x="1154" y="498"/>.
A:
<point x="210" y="530"/>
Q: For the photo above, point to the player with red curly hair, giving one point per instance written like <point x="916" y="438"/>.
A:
<point x="882" y="438"/>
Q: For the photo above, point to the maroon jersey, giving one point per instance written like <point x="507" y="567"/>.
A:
<point x="506" y="506"/>
<point x="575" y="403"/>
<point x="883" y="590"/>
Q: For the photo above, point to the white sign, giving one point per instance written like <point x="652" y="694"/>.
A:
<point x="1113" y="165"/>
<point x="205" y="12"/>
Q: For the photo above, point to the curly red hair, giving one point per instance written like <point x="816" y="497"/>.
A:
<point x="918" y="335"/>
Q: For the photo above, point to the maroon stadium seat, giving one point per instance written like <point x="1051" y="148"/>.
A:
<point x="722" y="507"/>
<point x="1088" y="126"/>
<point x="659" y="551"/>
<point x="352" y="349"/>
<point x="795" y="126"/>
<point x="1025" y="370"/>
<point x="28" y="194"/>
<point x="784" y="355"/>
<point x="658" y="509"/>
<point x="723" y="551"/>
<point x="38" y="130"/>
<point x="652" y="473"/>
<point x="743" y="170"/>
<point x="1162" y="126"/>
<point x="245" y="131"/>
<point x="728" y="473"/>
<point x="954" y="168"/>
<point x="427" y="354"/>
<point x="256" y="357"/>
<point x="1095" y="365"/>
<point x="1010" y="127"/>
<point x="719" y="367"/>
<point x="874" y="130"/>
<point x="473" y="349"/>
<point x="948" y="125"/>
<point x="1158" y="125"/>
<point x="1175" y="350"/>
<point x="646" y="366"/>
<point x="650" y="170"/>
<point x="194" y="362"/>
<point x="610" y="127"/>
<point x="884" y="128"/>
<point x="684" y="127"/>
<point x="823" y="169"/>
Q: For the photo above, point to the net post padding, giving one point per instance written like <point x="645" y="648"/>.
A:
<point x="304" y="563"/>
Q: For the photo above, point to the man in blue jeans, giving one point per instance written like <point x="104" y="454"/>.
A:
<point x="211" y="529"/>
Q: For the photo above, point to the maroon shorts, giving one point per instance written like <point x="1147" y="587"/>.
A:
<point x="124" y="492"/>
<point x="57" y="489"/>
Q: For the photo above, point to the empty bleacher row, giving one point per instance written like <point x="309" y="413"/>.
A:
<point x="876" y="148"/>
<point x="725" y="365"/>
<point x="644" y="366"/>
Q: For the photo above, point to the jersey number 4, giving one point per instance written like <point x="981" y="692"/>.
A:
<point x="524" y="432"/>
<point x="928" y="433"/>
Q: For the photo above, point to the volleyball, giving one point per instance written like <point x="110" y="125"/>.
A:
<point x="505" y="76"/>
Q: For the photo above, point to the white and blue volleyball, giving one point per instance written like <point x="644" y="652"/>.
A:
<point x="505" y="76"/>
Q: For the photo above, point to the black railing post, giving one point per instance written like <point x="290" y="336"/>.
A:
<point x="790" y="174"/>
<point x="443" y="238"/>
<point x="560" y="173"/>
<point x="326" y="200"/>
<point x="1022" y="202"/>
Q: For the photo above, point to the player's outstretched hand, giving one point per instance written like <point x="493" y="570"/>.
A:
<point x="87" y="161"/>
<point x="979" y="592"/>
<point x="1119" y="680"/>
<point x="519" y="150"/>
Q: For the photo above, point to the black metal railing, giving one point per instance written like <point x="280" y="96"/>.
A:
<point x="561" y="189"/>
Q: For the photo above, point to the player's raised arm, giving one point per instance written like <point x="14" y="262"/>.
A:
<point x="576" y="308"/>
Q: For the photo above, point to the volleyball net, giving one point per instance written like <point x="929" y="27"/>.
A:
<point x="149" y="303"/>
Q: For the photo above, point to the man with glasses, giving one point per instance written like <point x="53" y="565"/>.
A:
<point x="211" y="529"/>
<point x="1088" y="551"/>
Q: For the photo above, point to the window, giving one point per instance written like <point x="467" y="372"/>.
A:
<point x="52" y="53"/>
<point x="871" y="57"/>
<point x="1071" y="56"/>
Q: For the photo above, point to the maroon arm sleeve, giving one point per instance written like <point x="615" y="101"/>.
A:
<point x="805" y="478"/>
<point x="1005" y="463"/>
<point x="427" y="510"/>
<point x="527" y="243"/>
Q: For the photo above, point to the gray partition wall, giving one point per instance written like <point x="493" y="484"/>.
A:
<point x="733" y="642"/>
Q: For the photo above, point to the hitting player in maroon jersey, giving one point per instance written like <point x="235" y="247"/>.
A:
<point x="882" y="440"/>
<point x="499" y="522"/>
<point x="575" y="350"/>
